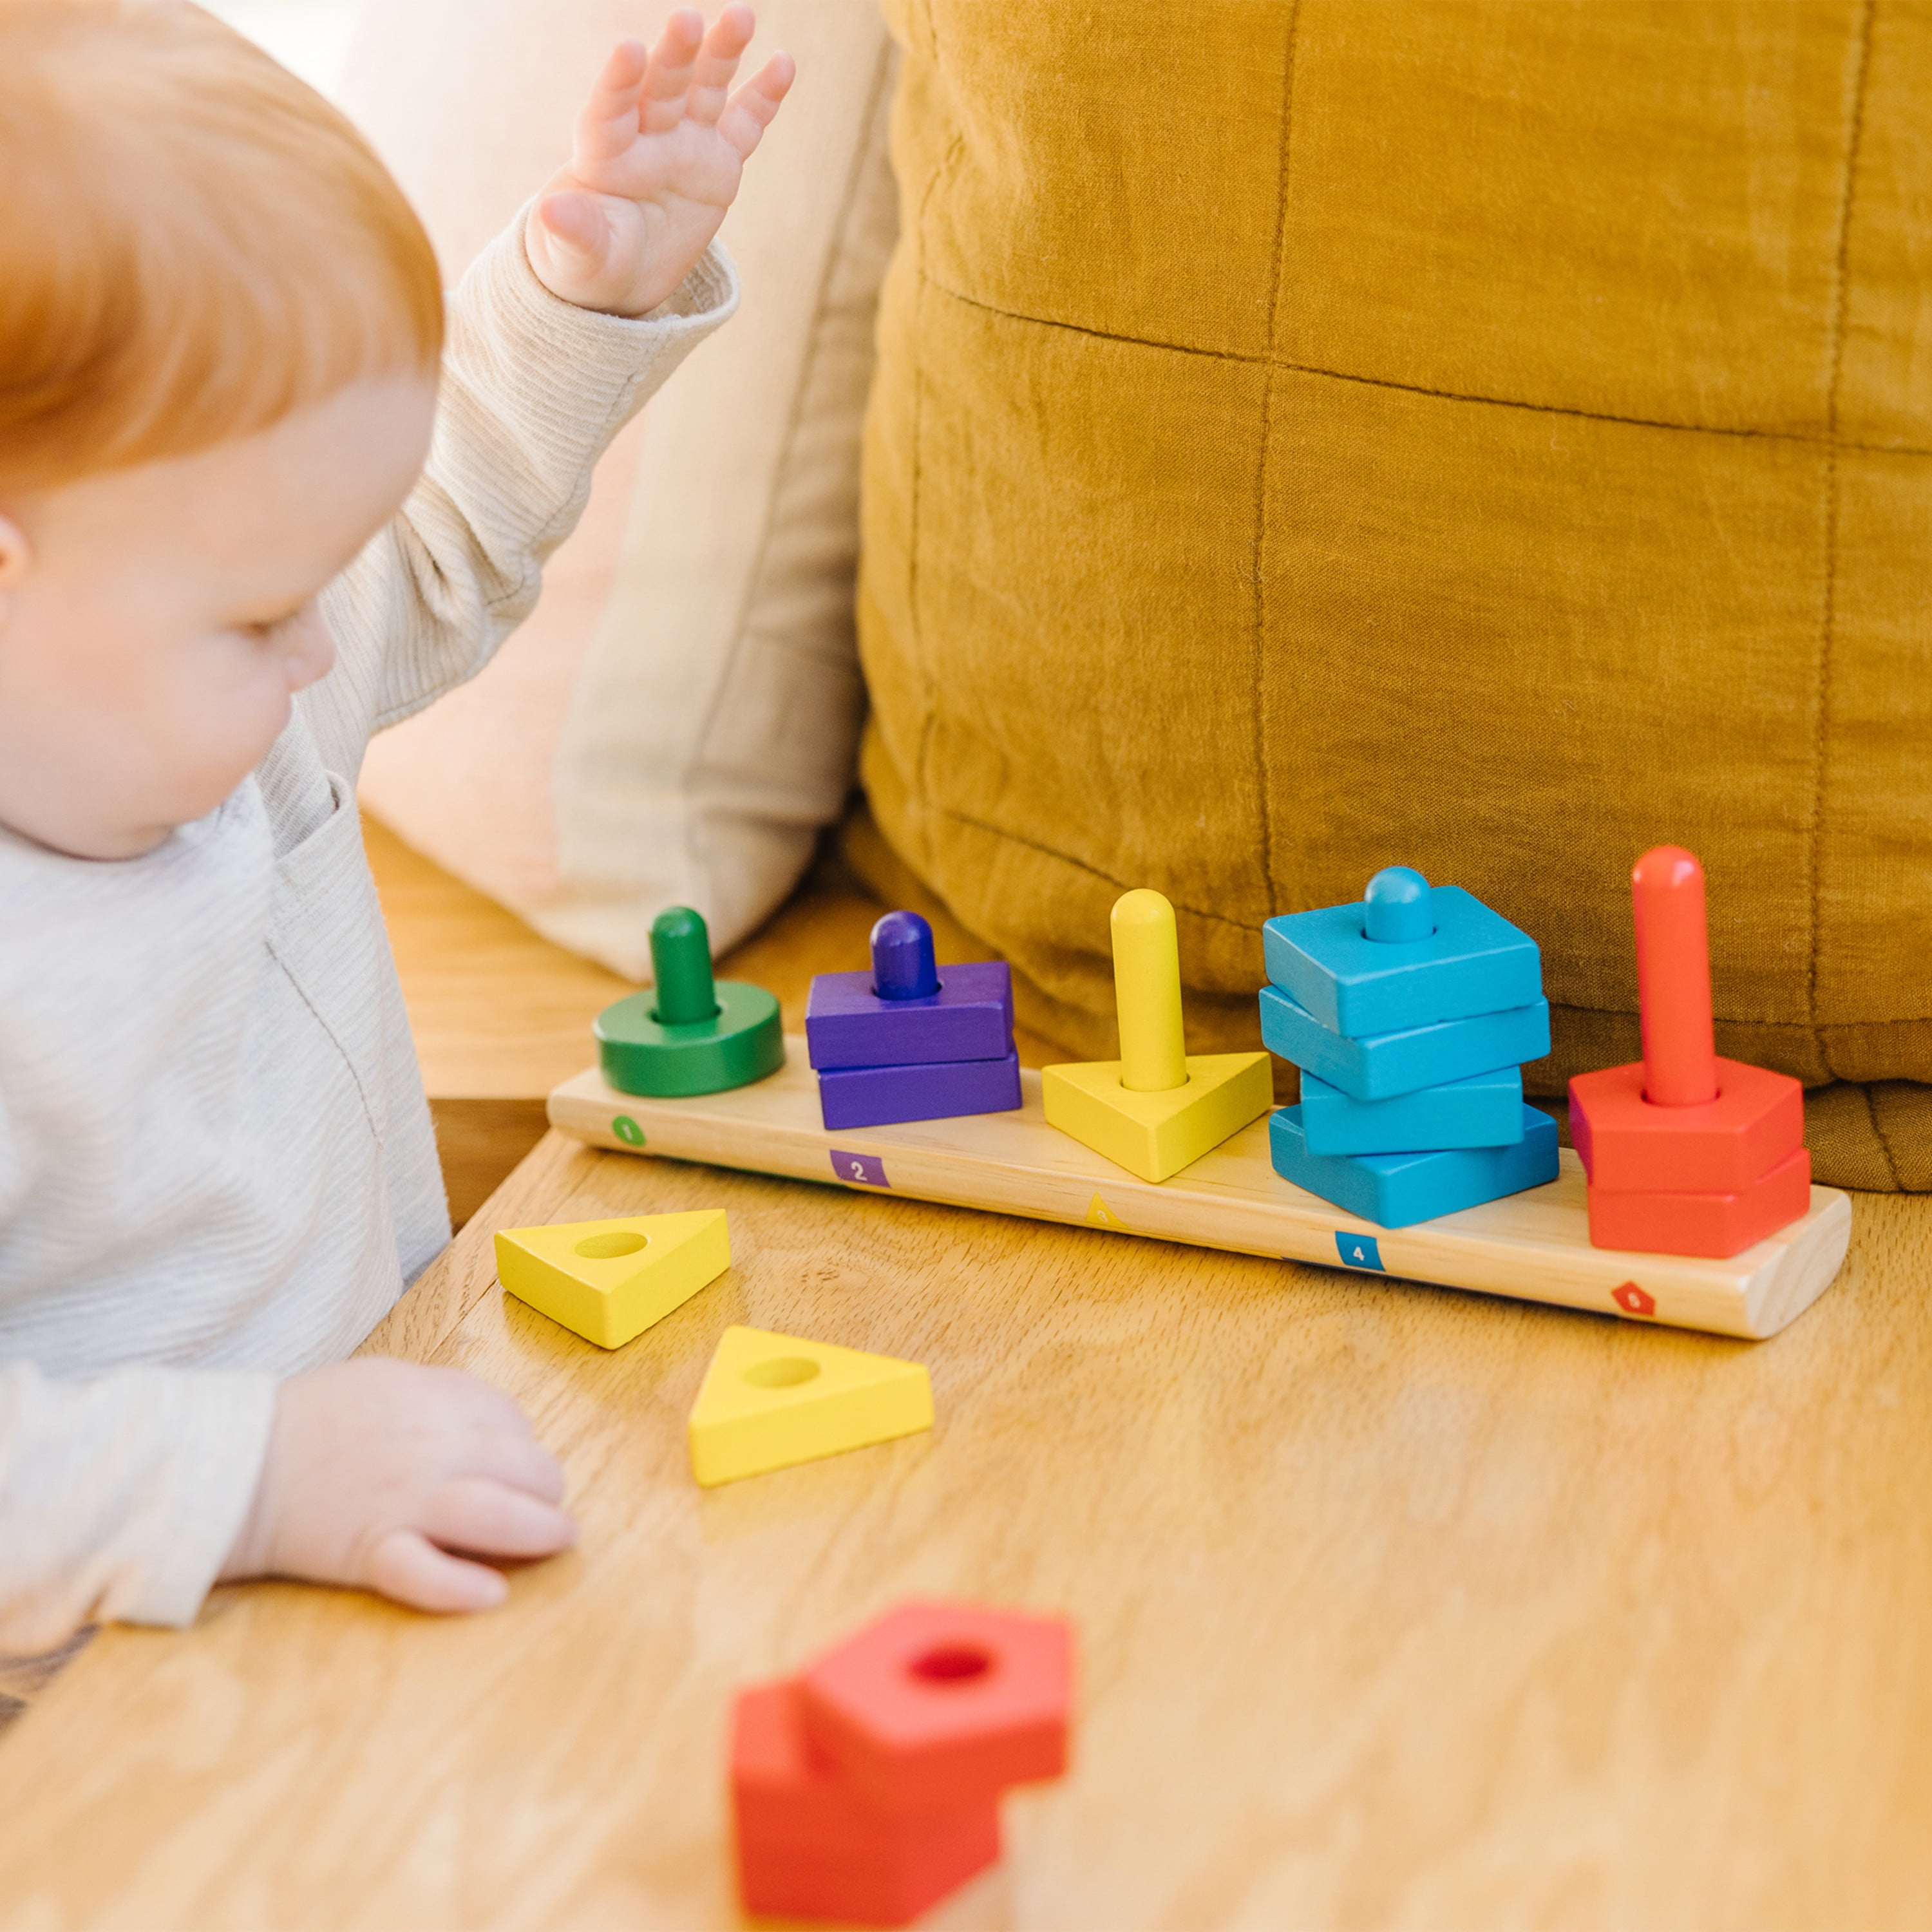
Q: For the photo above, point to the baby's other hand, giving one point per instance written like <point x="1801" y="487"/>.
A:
<point x="655" y="162"/>
<point x="377" y="1469"/>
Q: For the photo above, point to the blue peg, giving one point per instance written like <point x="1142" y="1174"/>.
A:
<point x="1398" y="906"/>
<point x="903" y="965"/>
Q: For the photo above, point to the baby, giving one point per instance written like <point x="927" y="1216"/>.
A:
<point x="242" y="528"/>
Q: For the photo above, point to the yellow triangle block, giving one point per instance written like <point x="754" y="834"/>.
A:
<point x="608" y="1281"/>
<point x="769" y="1401"/>
<point x="1156" y="1135"/>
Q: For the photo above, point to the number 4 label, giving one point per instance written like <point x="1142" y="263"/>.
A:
<point x="859" y="1170"/>
<point x="1358" y="1251"/>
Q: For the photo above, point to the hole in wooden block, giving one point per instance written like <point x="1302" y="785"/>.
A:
<point x="608" y="1247"/>
<point x="952" y="1663"/>
<point x="782" y="1371"/>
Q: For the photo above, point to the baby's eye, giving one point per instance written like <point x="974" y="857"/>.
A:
<point x="263" y="628"/>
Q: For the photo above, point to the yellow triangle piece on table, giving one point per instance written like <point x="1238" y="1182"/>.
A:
<point x="1099" y="1215"/>
<point x="769" y="1401"/>
<point x="608" y="1281"/>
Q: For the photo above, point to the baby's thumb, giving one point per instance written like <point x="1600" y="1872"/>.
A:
<point x="573" y="223"/>
<point x="406" y="1566"/>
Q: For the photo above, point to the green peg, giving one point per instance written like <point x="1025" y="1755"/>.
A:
<point x="689" y="1034"/>
<point x="681" y="964"/>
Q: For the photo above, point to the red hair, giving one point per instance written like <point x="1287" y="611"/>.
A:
<point x="193" y="244"/>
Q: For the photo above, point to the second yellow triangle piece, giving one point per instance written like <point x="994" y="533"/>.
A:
<point x="769" y="1401"/>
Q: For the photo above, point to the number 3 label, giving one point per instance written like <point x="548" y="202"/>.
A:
<point x="862" y="1170"/>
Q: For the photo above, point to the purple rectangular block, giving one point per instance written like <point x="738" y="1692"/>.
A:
<point x="875" y="1097"/>
<point x="970" y="1018"/>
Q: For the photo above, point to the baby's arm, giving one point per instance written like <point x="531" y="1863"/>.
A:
<point x="119" y="1496"/>
<point x="122" y="1499"/>
<point x="548" y="356"/>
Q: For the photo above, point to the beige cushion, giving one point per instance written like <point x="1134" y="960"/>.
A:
<point x="678" y="718"/>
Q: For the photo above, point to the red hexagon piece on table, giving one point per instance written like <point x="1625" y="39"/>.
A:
<point x="1726" y="1146"/>
<point x="938" y="1703"/>
<point x="810" y="1846"/>
<point x="1633" y="1300"/>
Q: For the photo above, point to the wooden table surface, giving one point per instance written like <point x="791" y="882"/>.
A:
<point x="1398" y="1607"/>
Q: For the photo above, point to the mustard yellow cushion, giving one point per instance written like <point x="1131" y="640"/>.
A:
<point x="1491" y="437"/>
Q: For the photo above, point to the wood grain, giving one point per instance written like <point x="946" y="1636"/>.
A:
<point x="1399" y="1607"/>
<point x="1533" y="1245"/>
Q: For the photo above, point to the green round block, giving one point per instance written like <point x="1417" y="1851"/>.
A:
<point x="743" y="1041"/>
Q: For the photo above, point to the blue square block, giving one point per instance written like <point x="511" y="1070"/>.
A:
<point x="877" y="1096"/>
<point x="970" y="1018"/>
<point x="1387" y="1063"/>
<point x="1484" y="1111"/>
<point x="1395" y="1190"/>
<point x="1475" y="961"/>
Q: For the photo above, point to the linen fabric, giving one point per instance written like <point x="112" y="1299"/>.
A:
<point x="682" y="716"/>
<point x="1492" y="438"/>
<point x="216" y="1163"/>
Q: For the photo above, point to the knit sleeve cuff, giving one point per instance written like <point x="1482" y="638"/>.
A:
<point x="575" y="365"/>
<point x="216" y="1441"/>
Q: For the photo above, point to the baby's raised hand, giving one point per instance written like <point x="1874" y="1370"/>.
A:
<point x="655" y="162"/>
<point x="378" y="1469"/>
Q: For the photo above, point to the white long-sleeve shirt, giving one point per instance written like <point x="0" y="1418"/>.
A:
<point x="216" y="1163"/>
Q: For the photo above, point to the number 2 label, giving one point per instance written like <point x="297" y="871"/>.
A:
<point x="862" y="1170"/>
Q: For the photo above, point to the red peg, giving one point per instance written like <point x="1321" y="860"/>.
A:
<point x="1686" y="1153"/>
<point x="1673" y="979"/>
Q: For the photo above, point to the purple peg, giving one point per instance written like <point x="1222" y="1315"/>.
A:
<point x="903" y="965"/>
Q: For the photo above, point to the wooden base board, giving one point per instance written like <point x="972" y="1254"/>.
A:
<point x="1534" y="1246"/>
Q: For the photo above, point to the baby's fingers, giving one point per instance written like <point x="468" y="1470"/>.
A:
<point x="756" y="103"/>
<point x="474" y="1513"/>
<point x="405" y="1567"/>
<point x="517" y="1462"/>
<point x="717" y="62"/>
<point x="672" y="61"/>
<point x="608" y="124"/>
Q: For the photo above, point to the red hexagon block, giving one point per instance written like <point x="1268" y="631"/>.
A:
<point x="1716" y="1224"/>
<point x="936" y="1703"/>
<point x="1724" y="1146"/>
<point x="811" y="1846"/>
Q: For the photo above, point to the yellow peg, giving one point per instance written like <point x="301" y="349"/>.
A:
<point x="1154" y="1110"/>
<point x="1147" y="993"/>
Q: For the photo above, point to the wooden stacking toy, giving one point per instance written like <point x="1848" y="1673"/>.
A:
<point x="1686" y="1153"/>
<point x="1407" y="1012"/>
<point x="868" y="1788"/>
<point x="1158" y="1107"/>
<point x="689" y="1033"/>
<point x="902" y="1042"/>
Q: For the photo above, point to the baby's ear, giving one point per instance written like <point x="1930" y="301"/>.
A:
<point x="17" y="557"/>
<point x="15" y="553"/>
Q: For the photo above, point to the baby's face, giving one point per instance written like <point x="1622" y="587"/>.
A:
<point x="156" y="622"/>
